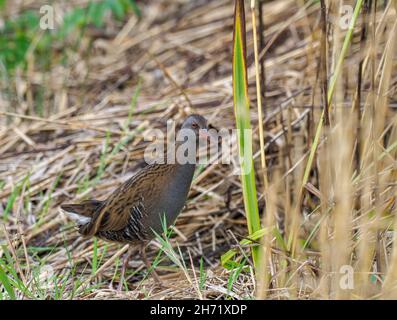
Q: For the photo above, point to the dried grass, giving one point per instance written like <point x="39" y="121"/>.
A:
<point x="179" y="55"/>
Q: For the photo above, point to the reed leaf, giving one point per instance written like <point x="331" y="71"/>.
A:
<point x="226" y="258"/>
<point x="243" y="123"/>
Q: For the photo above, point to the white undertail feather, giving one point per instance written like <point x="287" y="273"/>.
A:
<point x="80" y="220"/>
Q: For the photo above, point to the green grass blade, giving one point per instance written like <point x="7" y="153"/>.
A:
<point x="95" y="257"/>
<point x="7" y="285"/>
<point x="226" y="258"/>
<point x="243" y="122"/>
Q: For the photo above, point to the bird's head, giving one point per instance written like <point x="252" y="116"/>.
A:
<point x="198" y="124"/>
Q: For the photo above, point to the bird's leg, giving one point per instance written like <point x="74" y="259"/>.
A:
<point x="149" y="265"/>
<point x="124" y="267"/>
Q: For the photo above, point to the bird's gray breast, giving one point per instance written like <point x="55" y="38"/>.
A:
<point x="169" y="202"/>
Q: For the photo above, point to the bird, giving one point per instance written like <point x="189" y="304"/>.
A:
<point x="134" y="212"/>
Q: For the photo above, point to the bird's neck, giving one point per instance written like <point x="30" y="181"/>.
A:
<point x="186" y="168"/>
<point x="182" y="155"/>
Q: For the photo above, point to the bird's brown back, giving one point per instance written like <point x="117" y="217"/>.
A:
<point x="127" y="213"/>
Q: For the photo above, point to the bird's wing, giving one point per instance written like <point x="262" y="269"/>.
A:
<point x="86" y="208"/>
<point x="131" y="199"/>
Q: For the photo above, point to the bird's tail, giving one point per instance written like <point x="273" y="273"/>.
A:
<point x="83" y="212"/>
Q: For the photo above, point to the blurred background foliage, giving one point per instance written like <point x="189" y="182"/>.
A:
<point x="18" y="33"/>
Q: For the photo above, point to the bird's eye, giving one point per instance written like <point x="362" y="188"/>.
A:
<point x="194" y="125"/>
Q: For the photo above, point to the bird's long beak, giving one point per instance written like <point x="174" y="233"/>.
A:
<point x="204" y="134"/>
